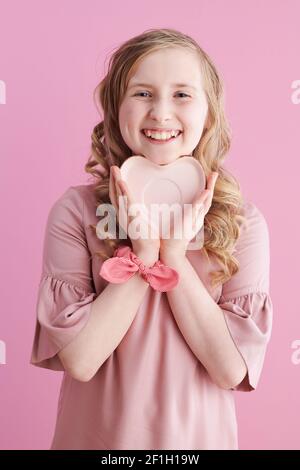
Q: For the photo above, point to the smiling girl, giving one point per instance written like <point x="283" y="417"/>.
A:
<point x="146" y="368"/>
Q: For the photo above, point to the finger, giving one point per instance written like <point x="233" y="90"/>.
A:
<point x="117" y="173"/>
<point x="123" y="186"/>
<point x="119" y="190"/>
<point x="112" y="188"/>
<point x="211" y="187"/>
<point x="201" y="198"/>
<point x="122" y="205"/>
<point x="198" y="211"/>
<point x="121" y="183"/>
<point x="200" y="205"/>
<point x="212" y="181"/>
<point x="118" y="179"/>
<point x="127" y="197"/>
<point x="118" y="186"/>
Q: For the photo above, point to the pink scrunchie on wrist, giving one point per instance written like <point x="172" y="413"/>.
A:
<point x="125" y="264"/>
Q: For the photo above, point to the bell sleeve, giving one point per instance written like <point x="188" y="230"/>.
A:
<point x="245" y="299"/>
<point x="66" y="291"/>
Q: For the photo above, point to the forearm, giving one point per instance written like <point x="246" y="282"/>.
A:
<point x="203" y="325"/>
<point x="111" y="315"/>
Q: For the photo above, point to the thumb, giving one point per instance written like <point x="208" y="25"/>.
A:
<point x="201" y="197"/>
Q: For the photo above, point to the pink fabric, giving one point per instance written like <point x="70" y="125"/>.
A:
<point x="125" y="264"/>
<point x="152" y="392"/>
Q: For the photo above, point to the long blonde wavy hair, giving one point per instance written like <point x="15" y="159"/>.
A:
<point x="222" y="225"/>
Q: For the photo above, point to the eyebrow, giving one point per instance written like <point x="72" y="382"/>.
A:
<point x="174" y="85"/>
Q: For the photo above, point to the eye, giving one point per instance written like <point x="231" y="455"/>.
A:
<point x="140" y="93"/>
<point x="181" y="93"/>
<point x="145" y="92"/>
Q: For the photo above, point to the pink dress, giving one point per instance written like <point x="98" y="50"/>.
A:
<point x="152" y="392"/>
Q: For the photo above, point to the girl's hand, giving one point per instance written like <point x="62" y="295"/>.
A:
<point x="193" y="218"/>
<point x="119" y="189"/>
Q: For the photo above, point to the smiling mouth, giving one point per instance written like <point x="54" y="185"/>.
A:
<point x="161" y="140"/>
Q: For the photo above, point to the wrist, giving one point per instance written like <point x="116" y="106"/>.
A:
<point x="148" y="257"/>
<point x="161" y="277"/>
<point x="171" y="257"/>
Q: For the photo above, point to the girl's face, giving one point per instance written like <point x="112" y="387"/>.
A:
<point x="165" y="92"/>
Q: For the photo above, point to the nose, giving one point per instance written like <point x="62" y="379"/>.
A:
<point x="160" y="111"/>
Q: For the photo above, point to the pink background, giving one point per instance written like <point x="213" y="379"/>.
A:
<point x="52" y="56"/>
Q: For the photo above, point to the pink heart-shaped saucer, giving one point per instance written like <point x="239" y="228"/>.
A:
<point x="177" y="182"/>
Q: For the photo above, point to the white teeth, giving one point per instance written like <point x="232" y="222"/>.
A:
<point x="161" y="135"/>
